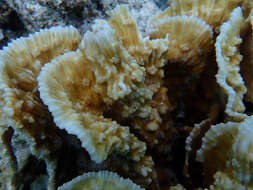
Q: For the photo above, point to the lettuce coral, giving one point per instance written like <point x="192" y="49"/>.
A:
<point x="123" y="100"/>
<point x="100" y="180"/>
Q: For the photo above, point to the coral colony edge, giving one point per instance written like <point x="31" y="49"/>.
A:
<point x="121" y="109"/>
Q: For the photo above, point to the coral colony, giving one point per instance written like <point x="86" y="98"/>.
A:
<point x="112" y="94"/>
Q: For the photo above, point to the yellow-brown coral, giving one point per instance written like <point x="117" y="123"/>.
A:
<point x="100" y="180"/>
<point x="213" y="12"/>
<point x="79" y="108"/>
<point x="127" y="31"/>
<point x="122" y="100"/>
<point x="227" y="148"/>
<point x="22" y="108"/>
<point x="187" y="47"/>
<point x="20" y="64"/>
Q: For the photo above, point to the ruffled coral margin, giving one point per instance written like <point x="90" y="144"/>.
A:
<point x="228" y="59"/>
<point x="21" y="106"/>
<point x="113" y="69"/>
<point x="225" y="149"/>
<point x="100" y="180"/>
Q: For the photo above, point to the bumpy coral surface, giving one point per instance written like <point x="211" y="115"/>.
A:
<point x="164" y="104"/>
<point x="228" y="59"/>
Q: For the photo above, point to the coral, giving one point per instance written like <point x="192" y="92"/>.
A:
<point x="225" y="152"/>
<point x="224" y="182"/>
<point x="150" y="54"/>
<point x="113" y="76"/>
<point x="142" y="96"/>
<point x="187" y="47"/>
<point x="226" y="148"/>
<point x="100" y="180"/>
<point x="22" y="108"/>
<point x="247" y="62"/>
<point x="228" y="60"/>
<point x="212" y="12"/>
<point x="79" y="108"/>
<point x="177" y="187"/>
<point x="21" y="62"/>
<point x="126" y="29"/>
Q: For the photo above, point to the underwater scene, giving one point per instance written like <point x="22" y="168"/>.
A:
<point x="126" y="94"/>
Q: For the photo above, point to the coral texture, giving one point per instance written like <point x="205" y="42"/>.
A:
<point x="228" y="59"/>
<point x="164" y="100"/>
<point x="101" y="180"/>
